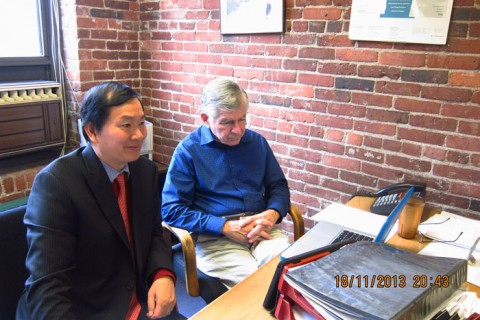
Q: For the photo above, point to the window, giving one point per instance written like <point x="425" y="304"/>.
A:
<point x="21" y="29"/>
<point x="32" y="115"/>
<point x="29" y="46"/>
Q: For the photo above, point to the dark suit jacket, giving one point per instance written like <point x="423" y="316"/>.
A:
<point x="79" y="258"/>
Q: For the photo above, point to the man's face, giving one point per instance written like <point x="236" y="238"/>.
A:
<point x="120" y="140"/>
<point x="228" y="127"/>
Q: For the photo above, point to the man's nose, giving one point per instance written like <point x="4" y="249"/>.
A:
<point x="236" y="127"/>
<point x="140" y="133"/>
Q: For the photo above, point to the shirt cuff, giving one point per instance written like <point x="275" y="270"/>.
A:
<point x="164" y="273"/>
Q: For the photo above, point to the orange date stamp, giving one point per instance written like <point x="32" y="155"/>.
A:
<point x="391" y="281"/>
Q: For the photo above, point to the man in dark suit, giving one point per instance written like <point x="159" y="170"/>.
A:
<point x="88" y="257"/>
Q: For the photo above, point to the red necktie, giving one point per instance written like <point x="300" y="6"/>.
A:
<point x="134" y="308"/>
<point x="122" y="203"/>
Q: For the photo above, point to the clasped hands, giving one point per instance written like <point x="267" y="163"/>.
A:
<point x="251" y="229"/>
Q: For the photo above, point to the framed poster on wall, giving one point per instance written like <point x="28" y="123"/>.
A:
<point x="251" y="16"/>
<point x="411" y="21"/>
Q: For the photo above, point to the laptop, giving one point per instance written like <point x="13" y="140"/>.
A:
<point x="338" y="219"/>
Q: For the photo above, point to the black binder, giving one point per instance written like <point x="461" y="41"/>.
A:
<point x="376" y="281"/>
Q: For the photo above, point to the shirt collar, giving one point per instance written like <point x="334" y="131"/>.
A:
<point x="207" y="136"/>
<point x="112" y="173"/>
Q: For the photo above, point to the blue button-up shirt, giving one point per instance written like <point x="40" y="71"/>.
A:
<point x="207" y="180"/>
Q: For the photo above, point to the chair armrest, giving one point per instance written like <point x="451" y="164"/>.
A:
<point x="298" y="224"/>
<point x="189" y="257"/>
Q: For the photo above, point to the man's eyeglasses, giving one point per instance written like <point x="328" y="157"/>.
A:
<point x="424" y="238"/>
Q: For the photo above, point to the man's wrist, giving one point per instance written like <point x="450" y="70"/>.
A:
<point x="277" y="215"/>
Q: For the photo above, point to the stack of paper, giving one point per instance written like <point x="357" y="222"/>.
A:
<point x="452" y="229"/>
<point x="453" y="236"/>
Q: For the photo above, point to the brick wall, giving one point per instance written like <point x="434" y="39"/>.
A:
<point x="341" y="115"/>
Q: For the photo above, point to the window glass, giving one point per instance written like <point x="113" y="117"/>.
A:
<point x="20" y="29"/>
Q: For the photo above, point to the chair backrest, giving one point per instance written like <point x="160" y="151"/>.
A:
<point x="13" y="251"/>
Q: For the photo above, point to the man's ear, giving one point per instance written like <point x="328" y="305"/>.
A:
<point x="204" y="118"/>
<point x="91" y="132"/>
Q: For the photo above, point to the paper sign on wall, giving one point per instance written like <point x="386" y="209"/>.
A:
<point x="412" y="21"/>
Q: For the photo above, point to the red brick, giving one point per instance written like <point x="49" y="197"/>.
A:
<point x="323" y="193"/>
<point x="292" y="140"/>
<point x="435" y="153"/>
<point x="304" y="176"/>
<point x="375" y="71"/>
<point x="356" y="55"/>
<point x="8" y="185"/>
<point x="342" y="163"/>
<point x="465" y="79"/>
<point x="402" y="59"/>
<point x="453" y="61"/>
<point x="433" y="123"/>
<point x="317" y="53"/>
<point x="421" y="136"/>
<point x="296" y="90"/>
<point x="470" y="128"/>
<point x="317" y="13"/>
<point x="461" y="111"/>
<point x="334" y="135"/>
<point x="305" y="154"/>
<point x="316" y="79"/>
<point x="357" y="178"/>
<point x="411" y="149"/>
<point x="398" y="89"/>
<point x="372" y="99"/>
<point x="458" y="157"/>
<point x="465" y="190"/>
<point x="386" y="116"/>
<point x="334" y="122"/>
<point x="446" y="94"/>
<point x="417" y="105"/>
<point x="412" y="164"/>
<point x="330" y="147"/>
<point x="464" y="45"/>
<point x="457" y="173"/>
<point x="463" y="143"/>
<point x="354" y="139"/>
<point x="377" y="128"/>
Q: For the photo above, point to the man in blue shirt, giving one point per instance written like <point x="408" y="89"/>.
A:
<point x="221" y="170"/>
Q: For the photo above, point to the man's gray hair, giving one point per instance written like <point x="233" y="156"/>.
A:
<point x="222" y="95"/>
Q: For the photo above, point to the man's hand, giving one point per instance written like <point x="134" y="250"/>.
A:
<point x="252" y="229"/>
<point x="161" y="298"/>
<point x="260" y="225"/>
<point x="232" y="230"/>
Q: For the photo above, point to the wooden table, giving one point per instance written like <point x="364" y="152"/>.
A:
<point x="244" y="301"/>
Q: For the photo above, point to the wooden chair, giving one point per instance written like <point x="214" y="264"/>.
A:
<point x="185" y="263"/>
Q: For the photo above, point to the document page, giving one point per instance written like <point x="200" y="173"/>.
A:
<point x="451" y="229"/>
<point x="351" y="218"/>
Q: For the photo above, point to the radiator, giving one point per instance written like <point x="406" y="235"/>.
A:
<point x="31" y="117"/>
